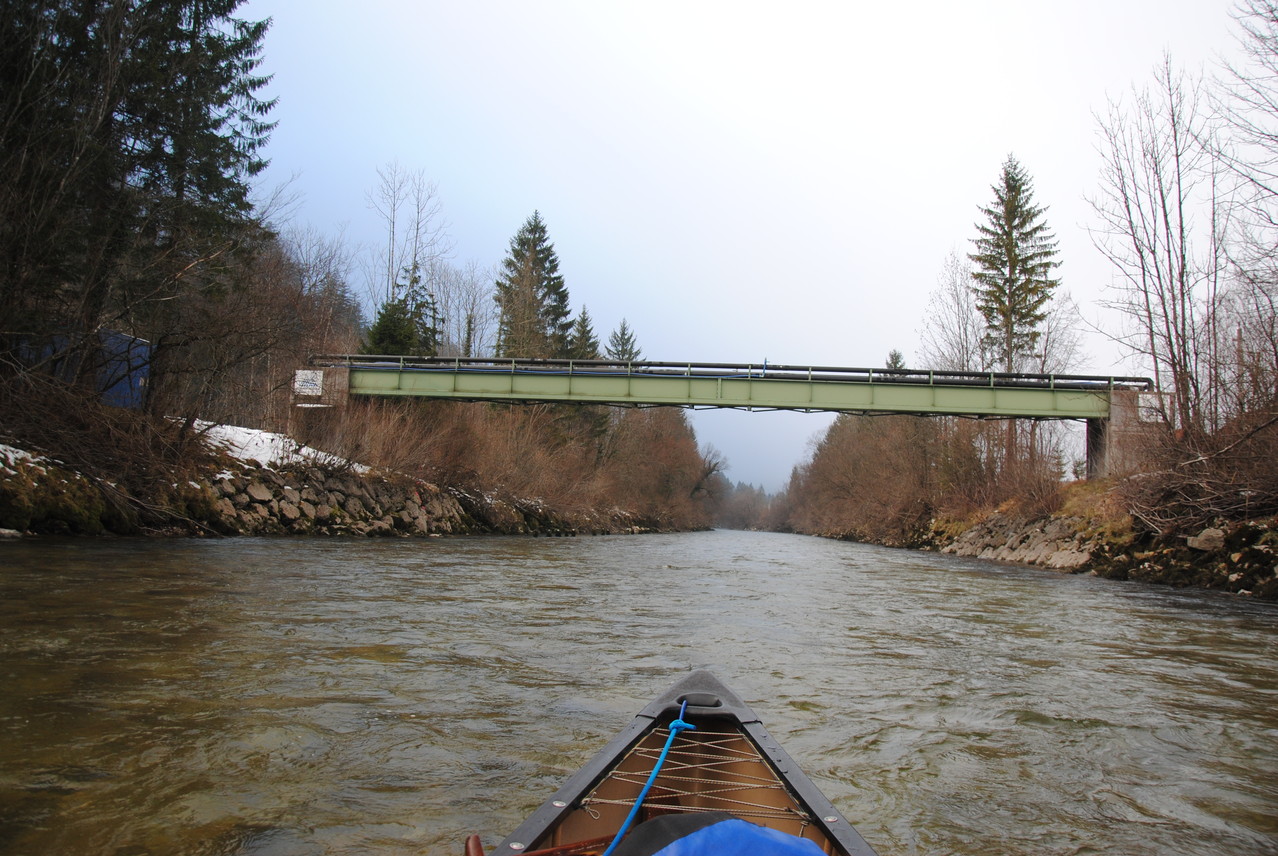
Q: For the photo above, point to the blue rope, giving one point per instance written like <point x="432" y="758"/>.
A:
<point x="675" y="727"/>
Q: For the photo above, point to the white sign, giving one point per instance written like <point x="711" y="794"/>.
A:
<point x="308" y="382"/>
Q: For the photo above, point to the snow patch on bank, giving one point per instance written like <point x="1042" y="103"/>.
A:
<point x="267" y="448"/>
<point x="10" y="457"/>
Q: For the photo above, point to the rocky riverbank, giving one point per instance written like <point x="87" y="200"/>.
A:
<point x="309" y="501"/>
<point x="40" y="496"/>
<point x="1238" y="557"/>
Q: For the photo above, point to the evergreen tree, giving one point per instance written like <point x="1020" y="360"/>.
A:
<point x="129" y="133"/>
<point x="895" y="360"/>
<point x="195" y="65"/>
<point x="423" y="310"/>
<point x="393" y="331"/>
<point x="622" y="346"/>
<point x="582" y="342"/>
<point x="407" y="325"/>
<point x="1015" y="255"/>
<point x="532" y="302"/>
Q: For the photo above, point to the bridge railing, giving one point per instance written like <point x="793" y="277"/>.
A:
<point x="763" y="371"/>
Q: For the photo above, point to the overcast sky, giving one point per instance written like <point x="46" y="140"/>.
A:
<point x="741" y="181"/>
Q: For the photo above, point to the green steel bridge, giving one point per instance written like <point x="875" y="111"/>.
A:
<point x="1108" y="405"/>
<point x="737" y="386"/>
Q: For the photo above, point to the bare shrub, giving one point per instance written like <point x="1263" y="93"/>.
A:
<point x="139" y="463"/>
<point x="870" y="479"/>
<point x="573" y="459"/>
<point x="1231" y="474"/>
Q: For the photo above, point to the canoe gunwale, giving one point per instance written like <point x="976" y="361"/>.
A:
<point x="708" y="700"/>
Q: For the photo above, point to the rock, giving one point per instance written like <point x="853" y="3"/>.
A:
<point x="289" y="511"/>
<point x="1208" y="540"/>
<point x="1062" y="559"/>
<point x="9" y="534"/>
<point x="258" y="491"/>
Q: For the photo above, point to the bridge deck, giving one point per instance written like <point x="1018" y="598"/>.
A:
<point x="736" y="386"/>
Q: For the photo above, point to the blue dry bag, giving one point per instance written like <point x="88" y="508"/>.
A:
<point x="711" y="834"/>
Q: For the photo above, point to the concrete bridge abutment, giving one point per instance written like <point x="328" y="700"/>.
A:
<point x="1120" y="445"/>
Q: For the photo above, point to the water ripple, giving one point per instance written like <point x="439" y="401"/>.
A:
<point x="281" y="697"/>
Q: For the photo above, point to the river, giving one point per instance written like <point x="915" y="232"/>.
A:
<point x="299" y="697"/>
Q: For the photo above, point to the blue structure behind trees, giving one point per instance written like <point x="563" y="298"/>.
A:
<point x="117" y="368"/>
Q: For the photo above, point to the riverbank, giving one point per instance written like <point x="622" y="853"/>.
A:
<point x="1091" y="533"/>
<point x="1239" y="557"/>
<point x="257" y="483"/>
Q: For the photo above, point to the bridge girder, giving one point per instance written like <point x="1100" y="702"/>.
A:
<point x="746" y="387"/>
<point x="741" y="393"/>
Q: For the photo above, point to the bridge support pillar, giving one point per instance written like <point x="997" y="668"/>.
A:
<point x="1117" y="446"/>
<point x="318" y="397"/>
<point x="1097" y="446"/>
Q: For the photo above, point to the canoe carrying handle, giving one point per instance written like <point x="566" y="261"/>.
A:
<point x="701" y="700"/>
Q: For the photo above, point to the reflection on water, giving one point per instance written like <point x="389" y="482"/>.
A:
<point x="287" y="697"/>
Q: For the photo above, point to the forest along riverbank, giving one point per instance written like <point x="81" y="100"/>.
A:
<point x="1092" y="533"/>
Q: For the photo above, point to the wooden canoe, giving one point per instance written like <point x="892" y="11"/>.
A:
<point x="727" y="763"/>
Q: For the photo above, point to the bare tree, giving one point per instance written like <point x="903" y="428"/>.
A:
<point x="323" y="266"/>
<point x="1163" y="215"/>
<point x="952" y="338"/>
<point x="465" y="297"/>
<point x="1060" y="342"/>
<point x="1248" y="101"/>
<point x="1249" y="104"/>
<point x="417" y="243"/>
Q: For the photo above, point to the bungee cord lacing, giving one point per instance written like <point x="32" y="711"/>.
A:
<point x="677" y="726"/>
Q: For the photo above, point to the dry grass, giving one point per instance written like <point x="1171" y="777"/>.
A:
<point x="573" y="460"/>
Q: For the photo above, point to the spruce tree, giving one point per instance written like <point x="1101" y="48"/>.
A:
<point x="408" y="325"/>
<point x="1015" y="256"/>
<point x="393" y="332"/>
<point x="137" y="129"/>
<point x="622" y="346"/>
<point x="423" y="310"/>
<point x="534" y="320"/>
<point x="582" y="342"/>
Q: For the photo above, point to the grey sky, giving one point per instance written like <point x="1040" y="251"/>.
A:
<point x="741" y="181"/>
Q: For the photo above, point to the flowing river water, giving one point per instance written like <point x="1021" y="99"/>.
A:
<point x="284" y="697"/>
